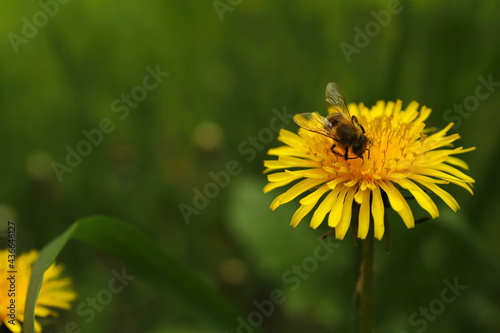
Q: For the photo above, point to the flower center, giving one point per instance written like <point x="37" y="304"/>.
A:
<point x="391" y="149"/>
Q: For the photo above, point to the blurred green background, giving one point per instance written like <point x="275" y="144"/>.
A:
<point x="225" y="78"/>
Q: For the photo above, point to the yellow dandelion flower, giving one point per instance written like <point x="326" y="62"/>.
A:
<point x="398" y="156"/>
<point x="55" y="292"/>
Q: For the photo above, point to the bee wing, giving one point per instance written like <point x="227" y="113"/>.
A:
<point x="335" y="101"/>
<point x="314" y="122"/>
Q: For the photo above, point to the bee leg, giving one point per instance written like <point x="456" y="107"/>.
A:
<point x="333" y="151"/>
<point x="333" y="146"/>
<point x="346" y="155"/>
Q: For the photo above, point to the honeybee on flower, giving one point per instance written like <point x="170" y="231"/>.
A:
<point x="377" y="152"/>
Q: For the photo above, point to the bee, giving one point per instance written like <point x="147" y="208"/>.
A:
<point x="347" y="133"/>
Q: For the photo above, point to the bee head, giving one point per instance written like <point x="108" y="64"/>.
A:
<point x="359" y="146"/>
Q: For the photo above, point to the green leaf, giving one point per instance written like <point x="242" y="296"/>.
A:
<point x="45" y="259"/>
<point x="144" y="258"/>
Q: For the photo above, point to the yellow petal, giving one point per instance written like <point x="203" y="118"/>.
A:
<point x="398" y="203"/>
<point x="280" y="179"/>
<point x="445" y="176"/>
<point x="364" y="215"/>
<point x="290" y="138"/>
<point x="378" y="213"/>
<point x="455" y="172"/>
<point x="351" y="183"/>
<point x="345" y="220"/>
<point x="410" y="113"/>
<point x="42" y="311"/>
<point x="457" y="162"/>
<point x="295" y="191"/>
<point x="445" y="196"/>
<point x="336" y="211"/>
<point x="271" y="186"/>
<point x="335" y="182"/>
<point x="16" y="328"/>
<point x="313" y="198"/>
<point x="287" y="151"/>
<point x="442" y="132"/>
<point x="358" y="197"/>
<point x="300" y="213"/>
<point x="421" y="178"/>
<point x="291" y="161"/>
<point x="378" y="109"/>
<point x="459" y="150"/>
<point x="314" y="173"/>
<point x="353" y="109"/>
<point x="389" y="108"/>
<point x="281" y="176"/>
<point x="325" y="207"/>
<point x="422" y="198"/>
<point x="395" y="200"/>
<point x="274" y="165"/>
<point x="38" y="327"/>
<point x="424" y="114"/>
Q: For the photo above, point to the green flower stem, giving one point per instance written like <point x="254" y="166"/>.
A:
<point x="366" y="278"/>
